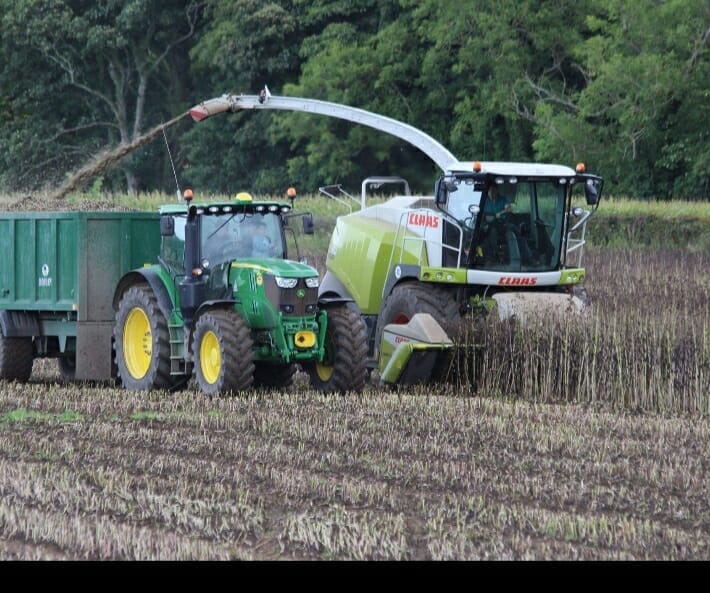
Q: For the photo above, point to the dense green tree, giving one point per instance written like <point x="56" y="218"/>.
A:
<point x="79" y="75"/>
<point x="641" y="114"/>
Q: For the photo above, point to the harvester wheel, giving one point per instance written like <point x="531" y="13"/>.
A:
<point x="142" y="341"/>
<point x="67" y="367"/>
<point x="410" y="298"/>
<point x="344" y="367"/>
<point x="268" y="374"/>
<point x="222" y="352"/>
<point x="15" y="358"/>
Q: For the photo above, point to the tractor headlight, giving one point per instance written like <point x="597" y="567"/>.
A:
<point x="286" y="282"/>
<point x="312" y="282"/>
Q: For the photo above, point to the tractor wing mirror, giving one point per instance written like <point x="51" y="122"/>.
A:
<point x="167" y="226"/>
<point x="308" y="226"/>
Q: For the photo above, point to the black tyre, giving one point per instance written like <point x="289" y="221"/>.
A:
<point x="410" y="298"/>
<point x="67" y="367"/>
<point x="16" y="358"/>
<point x="222" y="352"/>
<point x="272" y="375"/>
<point x="142" y="341"/>
<point x="344" y="368"/>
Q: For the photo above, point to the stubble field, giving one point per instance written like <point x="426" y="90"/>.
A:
<point x="576" y="441"/>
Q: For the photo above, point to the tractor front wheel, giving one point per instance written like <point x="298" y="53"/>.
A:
<point x="344" y="366"/>
<point x="142" y="341"/>
<point x="222" y="352"/>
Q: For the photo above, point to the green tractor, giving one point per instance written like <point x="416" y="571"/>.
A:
<point x="494" y="236"/>
<point x="226" y="304"/>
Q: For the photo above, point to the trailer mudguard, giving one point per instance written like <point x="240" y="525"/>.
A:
<point x="165" y="302"/>
<point x="19" y="324"/>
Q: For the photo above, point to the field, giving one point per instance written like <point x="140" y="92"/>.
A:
<point x="567" y="441"/>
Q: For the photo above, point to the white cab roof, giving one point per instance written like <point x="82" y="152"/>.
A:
<point x="522" y="169"/>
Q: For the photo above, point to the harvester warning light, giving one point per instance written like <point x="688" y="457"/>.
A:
<point x="580" y="168"/>
<point x="243" y="196"/>
<point x="187" y="195"/>
<point x="477" y="166"/>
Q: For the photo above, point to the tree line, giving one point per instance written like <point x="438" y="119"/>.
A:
<point x="622" y="85"/>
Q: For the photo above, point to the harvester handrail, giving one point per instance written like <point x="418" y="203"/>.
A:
<point x="575" y="244"/>
<point x="401" y="235"/>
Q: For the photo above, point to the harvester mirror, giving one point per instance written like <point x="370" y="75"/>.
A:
<point x="591" y="192"/>
<point x="308" y="226"/>
<point x="444" y="186"/>
<point x="167" y="226"/>
<point x="474" y="209"/>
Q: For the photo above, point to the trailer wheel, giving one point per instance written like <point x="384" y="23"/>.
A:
<point x="222" y="352"/>
<point x="344" y="367"/>
<point x="15" y="358"/>
<point x="67" y="367"/>
<point x="142" y="341"/>
<point x="278" y="376"/>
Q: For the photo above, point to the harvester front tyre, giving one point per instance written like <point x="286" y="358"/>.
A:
<point x="273" y="376"/>
<point x="142" y="341"/>
<point x="16" y="358"/>
<point x="410" y="298"/>
<point x="222" y="353"/>
<point x="344" y="367"/>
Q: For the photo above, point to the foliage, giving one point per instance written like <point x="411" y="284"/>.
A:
<point x="620" y="85"/>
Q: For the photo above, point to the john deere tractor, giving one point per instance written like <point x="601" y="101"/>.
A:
<point x="494" y="236"/>
<point x="226" y="303"/>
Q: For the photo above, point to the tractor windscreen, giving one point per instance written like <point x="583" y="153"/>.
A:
<point x="227" y="237"/>
<point x="519" y="226"/>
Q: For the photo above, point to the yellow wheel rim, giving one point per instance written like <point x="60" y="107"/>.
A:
<point x="210" y="357"/>
<point x="137" y="343"/>
<point x="324" y="371"/>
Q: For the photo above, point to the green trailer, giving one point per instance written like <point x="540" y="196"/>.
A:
<point x="57" y="281"/>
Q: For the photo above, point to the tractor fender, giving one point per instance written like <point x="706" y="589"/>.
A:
<point x="216" y="303"/>
<point x="19" y="324"/>
<point x="399" y="273"/>
<point x="156" y="283"/>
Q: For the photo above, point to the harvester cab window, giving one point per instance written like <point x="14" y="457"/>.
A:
<point x="460" y="201"/>
<point x="521" y="226"/>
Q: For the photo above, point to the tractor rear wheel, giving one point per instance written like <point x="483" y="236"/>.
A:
<point x="15" y="358"/>
<point x="222" y="352"/>
<point x="344" y="366"/>
<point x="142" y="341"/>
<point x="277" y="376"/>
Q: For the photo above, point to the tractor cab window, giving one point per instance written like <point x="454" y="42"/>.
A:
<point x="227" y="237"/>
<point x="173" y="248"/>
<point x="520" y="227"/>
